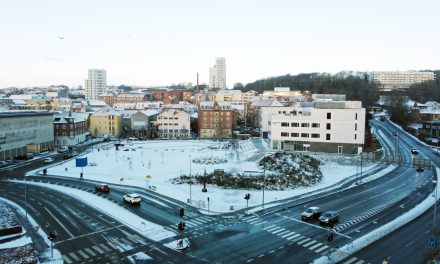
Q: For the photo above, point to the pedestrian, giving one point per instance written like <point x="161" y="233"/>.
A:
<point x="80" y="175"/>
<point x="385" y="261"/>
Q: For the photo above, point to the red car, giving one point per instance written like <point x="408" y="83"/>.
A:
<point x="102" y="188"/>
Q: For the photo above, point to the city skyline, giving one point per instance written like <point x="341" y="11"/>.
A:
<point x="49" y="42"/>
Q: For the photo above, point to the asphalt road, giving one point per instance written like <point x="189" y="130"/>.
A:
<point x="273" y="235"/>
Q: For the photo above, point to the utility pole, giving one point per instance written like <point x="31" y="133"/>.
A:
<point x="190" y="179"/>
<point x="264" y="182"/>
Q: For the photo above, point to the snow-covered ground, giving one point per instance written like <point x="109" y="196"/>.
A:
<point x="164" y="160"/>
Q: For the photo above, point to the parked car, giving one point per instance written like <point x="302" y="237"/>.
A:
<point x="420" y="169"/>
<point x="329" y="217"/>
<point x="311" y="213"/>
<point x="48" y="160"/>
<point x="102" y="188"/>
<point x="132" y="198"/>
<point x="415" y="151"/>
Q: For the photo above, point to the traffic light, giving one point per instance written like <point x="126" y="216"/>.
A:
<point x="330" y="237"/>
<point x="247" y="196"/>
<point x="52" y="236"/>
<point x="182" y="212"/>
<point x="181" y="226"/>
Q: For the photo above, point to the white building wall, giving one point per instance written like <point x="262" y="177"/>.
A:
<point x="96" y="84"/>
<point x="220" y="73"/>
<point x="347" y="126"/>
<point x="180" y="127"/>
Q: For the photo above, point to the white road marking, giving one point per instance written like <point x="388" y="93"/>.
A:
<point x="66" y="259"/>
<point x="278" y="231"/>
<point x="292" y="237"/>
<point x="321" y="249"/>
<point x="303" y="241"/>
<point x="288" y="234"/>
<point x="98" y="249"/>
<point x="90" y="252"/>
<point x="59" y="222"/>
<point x="360" y="262"/>
<point x="75" y="257"/>
<point x="84" y="255"/>
<point x="105" y="247"/>
<point x="350" y="260"/>
<point x="273" y="228"/>
<point x="315" y="246"/>
<point x="310" y="243"/>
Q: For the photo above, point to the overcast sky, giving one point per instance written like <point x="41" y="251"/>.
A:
<point x="164" y="42"/>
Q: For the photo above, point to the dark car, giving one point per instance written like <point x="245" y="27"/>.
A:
<point x="102" y="188"/>
<point x="415" y="151"/>
<point x="420" y="169"/>
<point x="395" y="134"/>
<point x="311" y="213"/>
<point x="68" y="156"/>
<point x="329" y="217"/>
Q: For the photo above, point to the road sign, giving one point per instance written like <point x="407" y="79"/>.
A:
<point x="149" y="177"/>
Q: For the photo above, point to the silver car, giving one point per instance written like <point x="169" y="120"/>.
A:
<point x="132" y="198"/>
<point x="311" y="213"/>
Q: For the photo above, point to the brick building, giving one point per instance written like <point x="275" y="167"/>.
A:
<point x="216" y="120"/>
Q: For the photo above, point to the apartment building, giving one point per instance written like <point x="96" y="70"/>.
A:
<point x="216" y="120"/>
<point x="69" y="129"/>
<point x="335" y="127"/>
<point x="395" y="80"/>
<point x="106" y="122"/>
<point x="217" y="74"/>
<point x="173" y="124"/>
<point x="96" y="83"/>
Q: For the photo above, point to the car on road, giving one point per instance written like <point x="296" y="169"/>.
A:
<point x="48" y="160"/>
<point x="132" y="198"/>
<point x="102" y="188"/>
<point x="329" y="217"/>
<point x="311" y="213"/>
<point x="70" y="155"/>
<point x="414" y="151"/>
<point x="420" y="169"/>
<point x="395" y="133"/>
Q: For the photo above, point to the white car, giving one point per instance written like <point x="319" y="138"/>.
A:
<point x="48" y="160"/>
<point x="132" y="198"/>
<point x="311" y="213"/>
<point x="415" y="151"/>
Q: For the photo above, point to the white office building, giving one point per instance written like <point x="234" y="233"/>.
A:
<point x="217" y="74"/>
<point x="173" y="124"/>
<point x="335" y="127"/>
<point x="96" y="84"/>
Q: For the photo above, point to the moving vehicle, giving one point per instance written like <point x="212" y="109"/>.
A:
<point x="132" y="198"/>
<point x="102" y="188"/>
<point x="329" y="217"/>
<point x="311" y="213"/>
<point x="48" y="160"/>
<point x="415" y="151"/>
<point x="63" y="149"/>
<point x="420" y="169"/>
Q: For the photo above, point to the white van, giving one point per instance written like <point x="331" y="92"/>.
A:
<point x="132" y="139"/>
<point x="63" y="149"/>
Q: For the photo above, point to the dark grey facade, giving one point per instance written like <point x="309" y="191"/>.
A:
<point x="340" y="148"/>
<point x="25" y="131"/>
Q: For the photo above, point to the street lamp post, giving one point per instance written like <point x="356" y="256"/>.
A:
<point x="25" y="196"/>
<point x="190" y="179"/>
<point x="435" y="203"/>
<point x="264" y="182"/>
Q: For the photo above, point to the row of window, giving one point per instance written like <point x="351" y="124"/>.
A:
<point x="303" y="135"/>
<point x="206" y="113"/>
<point x="294" y="112"/>
<point x="164" y="117"/>
<point x="71" y="126"/>
<point x="314" y="125"/>
<point x="173" y="131"/>
<point x="168" y="124"/>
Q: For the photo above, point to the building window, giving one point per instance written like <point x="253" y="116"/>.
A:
<point x="355" y="136"/>
<point x="329" y="115"/>
<point x="294" y="124"/>
<point x="356" y="116"/>
<point x="339" y="149"/>
<point x="315" y="135"/>
<point x="327" y="136"/>
<point x="315" y="125"/>
<point x="294" y="134"/>
<point x="284" y="124"/>
<point x="329" y="126"/>
<point x="304" y="135"/>
<point x="355" y="127"/>
<point x="305" y="124"/>
<point x="284" y="134"/>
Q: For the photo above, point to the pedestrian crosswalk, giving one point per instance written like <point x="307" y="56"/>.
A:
<point x="195" y="222"/>
<point x="254" y="220"/>
<point x="121" y="244"/>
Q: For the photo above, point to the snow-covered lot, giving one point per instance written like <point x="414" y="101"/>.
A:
<point x="164" y="160"/>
